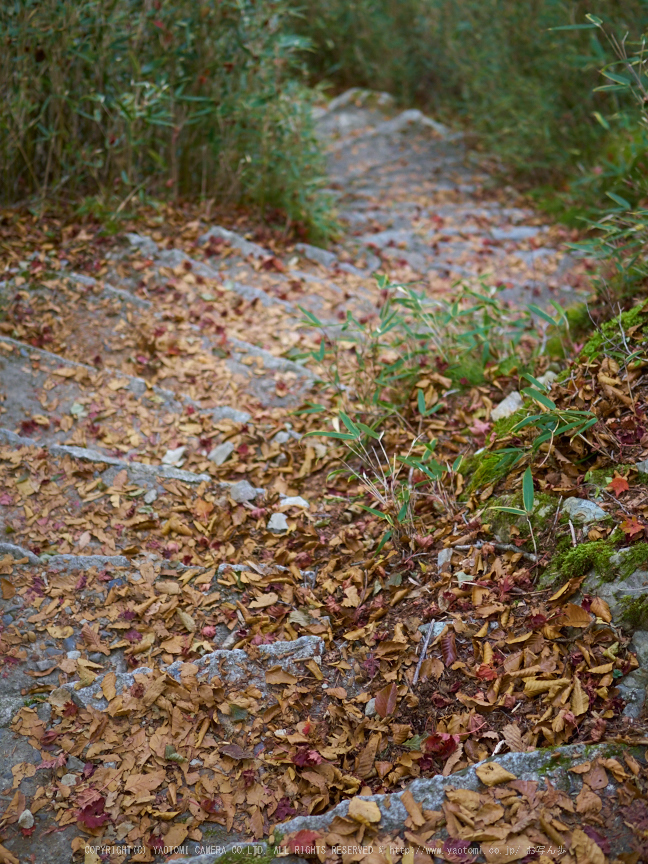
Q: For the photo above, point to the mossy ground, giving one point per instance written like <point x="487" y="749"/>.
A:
<point x="634" y="611"/>
<point x="609" y="334"/>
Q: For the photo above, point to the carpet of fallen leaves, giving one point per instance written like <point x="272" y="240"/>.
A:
<point x="509" y="667"/>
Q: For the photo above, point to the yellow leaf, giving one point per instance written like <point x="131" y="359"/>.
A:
<point x="144" y="644"/>
<point x="365" y="812"/>
<point x="264" y="600"/>
<point x="108" y="686"/>
<point x="579" y="699"/>
<point x="492" y="773"/>
<point x="352" y="635"/>
<point x="533" y="687"/>
<point x="601" y="609"/>
<point x="115" y="385"/>
<point x="59" y="632"/>
<point x="187" y="621"/>
<point x="277" y="675"/>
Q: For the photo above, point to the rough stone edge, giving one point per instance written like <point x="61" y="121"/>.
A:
<point x="138" y="385"/>
<point x="87" y="455"/>
<point x="430" y="792"/>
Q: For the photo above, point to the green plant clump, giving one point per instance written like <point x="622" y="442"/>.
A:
<point x="579" y="560"/>
<point x="119" y="98"/>
<point x="608" y="339"/>
<point x="633" y="558"/>
<point x="634" y="611"/>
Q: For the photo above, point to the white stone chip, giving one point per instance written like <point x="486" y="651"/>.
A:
<point x="174" y="457"/>
<point x="277" y="523"/>
<point x="512" y="403"/>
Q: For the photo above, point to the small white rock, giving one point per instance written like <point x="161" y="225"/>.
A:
<point x="150" y="496"/>
<point x="73" y="655"/>
<point x="69" y="779"/>
<point x="508" y="406"/>
<point x="26" y="819"/>
<point x="548" y="378"/>
<point x="370" y="708"/>
<point x="174" y="457"/>
<point x="584" y="511"/>
<point x="243" y="491"/>
<point x="294" y="501"/>
<point x="277" y="523"/>
<point x="221" y="452"/>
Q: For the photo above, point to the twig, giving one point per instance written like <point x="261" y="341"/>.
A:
<point x="423" y="653"/>
<point x="573" y="533"/>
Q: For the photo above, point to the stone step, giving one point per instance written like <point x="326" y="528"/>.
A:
<point x="55" y="401"/>
<point x="541" y="767"/>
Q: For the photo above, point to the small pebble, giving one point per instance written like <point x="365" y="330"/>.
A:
<point x="26" y="820"/>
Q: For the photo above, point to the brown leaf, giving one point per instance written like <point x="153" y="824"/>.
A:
<point x="277" y="675"/>
<point x="365" y="763"/>
<point x="386" y="700"/>
<point x="513" y="737"/>
<point x="448" y="648"/>
<point x="8" y="590"/>
<point x="579" y="699"/>
<point x="93" y="640"/>
<point x="601" y="609"/>
<point x="235" y="752"/>
<point x="365" y="812"/>
<point x="154" y="690"/>
<point x="140" y="784"/>
<point x="492" y="773"/>
<point x="588" y="801"/>
<point x="108" y="686"/>
<point x="413" y="808"/>
<point x="574" y="616"/>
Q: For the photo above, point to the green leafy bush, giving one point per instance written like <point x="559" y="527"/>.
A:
<point x="521" y="85"/>
<point x="110" y="97"/>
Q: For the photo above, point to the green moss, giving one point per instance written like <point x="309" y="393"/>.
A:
<point x="543" y="514"/>
<point x="504" y="426"/>
<point x="634" y="611"/>
<point x="633" y="559"/>
<point x="579" y="560"/>
<point x="572" y="562"/>
<point x="485" y="468"/>
<point x="468" y="373"/>
<point x="609" y="333"/>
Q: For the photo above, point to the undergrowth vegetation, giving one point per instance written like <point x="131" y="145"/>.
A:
<point x="520" y="83"/>
<point x="115" y="99"/>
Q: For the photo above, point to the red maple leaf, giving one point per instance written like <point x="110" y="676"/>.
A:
<point x="304" y="757"/>
<point x="441" y="744"/>
<point x="632" y="526"/>
<point x="299" y="843"/>
<point x="92" y="815"/>
<point x="486" y="672"/>
<point x="284" y="809"/>
<point x="618" y="484"/>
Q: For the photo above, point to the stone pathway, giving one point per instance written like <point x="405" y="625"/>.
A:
<point x="132" y="394"/>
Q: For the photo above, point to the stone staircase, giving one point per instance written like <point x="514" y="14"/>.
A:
<point x="123" y="400"/>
